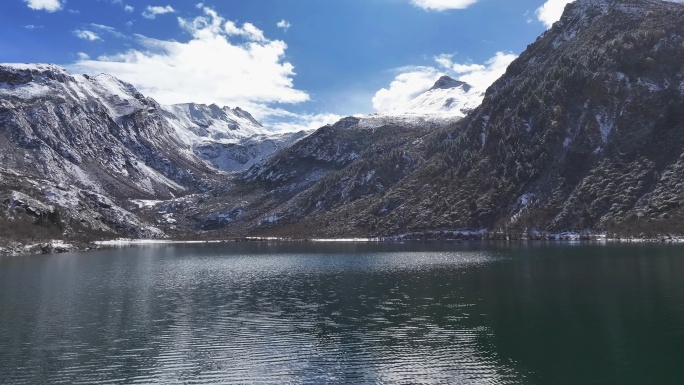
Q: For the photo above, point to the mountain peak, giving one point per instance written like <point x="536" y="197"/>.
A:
<point x="447" y="82"/>
<point x="20" y="73"/>
<point x="588" y="10"/>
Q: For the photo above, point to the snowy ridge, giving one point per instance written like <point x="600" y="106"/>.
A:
<point x="120" y="98"/>
<point x="447" y="98"/>
<point x="239" y="155"/>
<point x="32" y="81"/>
<point x="406" y="119"/>
<point x="80" y="130"/>
<point x="448" y="101"/>
<point x="199" y="123"/>
<point x="230" y="139"/>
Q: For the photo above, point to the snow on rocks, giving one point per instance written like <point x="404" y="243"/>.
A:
<point x="447" y="98"/>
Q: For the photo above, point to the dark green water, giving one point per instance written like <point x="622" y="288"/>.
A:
<point x="345" y="313"/>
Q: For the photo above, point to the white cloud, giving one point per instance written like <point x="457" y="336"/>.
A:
<point x="109" y="30"/>
<point x="289" y="122"/>
<point x="551" y="11"/>
<point x="33" y="26"/>
<point x="412" y="81"/>
<point x="83" y="56"/>
<point x="284" y="24"/>
<point x="405" y="87"/>
<point x="126" y="7"/>
<point x="44" y="5"/>
<point x="86" y="35"/>
<point x="443" y="5"/>
<point x="220" y="63"/>
<point x="151" y="12"/>
<point x="248" y="30"/>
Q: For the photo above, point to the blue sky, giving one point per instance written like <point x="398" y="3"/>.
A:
<point x="292" y="63"/>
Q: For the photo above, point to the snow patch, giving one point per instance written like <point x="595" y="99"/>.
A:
<point x="271" y="219"/>
<point x="528" y="127"/>
<point x="145" y="203"/>
<point x="650" y="86"/>
<point x="168" y="218"/>
<point x="26" y="91"/>
<point x="526" y="199"/>
<point x="229" y="216"/>
<point x="61" y="197"/>
<point x="369" y="175"/>
<point x="606" y="124"/>
<point x="566" y="36"/>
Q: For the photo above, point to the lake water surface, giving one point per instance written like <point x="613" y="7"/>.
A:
<point x="345" y="313"/>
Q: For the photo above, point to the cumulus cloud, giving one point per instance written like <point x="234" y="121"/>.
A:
<point x="221" y="63"/>
<point x="412" y="81"/>
<point x="44" y="5"/>
<point x="151" y="12"/>
<point x="83" y="56"/>
<point x="86" y="35"/>
<point x="443" y="5"/>
<point x="289" y="122"/>
<point x="284" y="24"/>
<point x="551" y="11"/>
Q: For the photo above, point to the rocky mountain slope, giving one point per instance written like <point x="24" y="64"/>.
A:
<point x="583" y="132"/>
<point x="89" y="156"/>
<point x="76" y="149"/>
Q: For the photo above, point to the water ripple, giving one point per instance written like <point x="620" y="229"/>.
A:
<point x="212" y="316"/>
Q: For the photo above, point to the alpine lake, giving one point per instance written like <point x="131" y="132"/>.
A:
<point x="346" y="313"/>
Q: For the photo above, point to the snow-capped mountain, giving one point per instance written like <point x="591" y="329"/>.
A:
<point x="228" y="138"/>
<point x="95" y="132"/>
<point x="75" y="150"/>
<point x="446" y="102"/>
<point x="199" y="123"/>
<point x="214" y="134"/>
<point x="447" y="98"/>
<point x="584" y="131"/>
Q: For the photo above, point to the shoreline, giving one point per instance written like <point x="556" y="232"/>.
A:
<point x="61" y="246"/>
